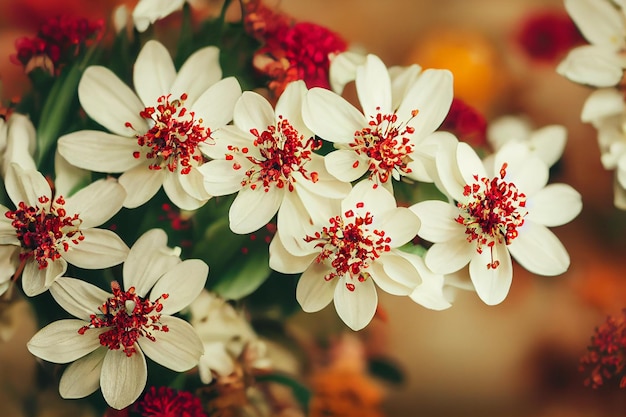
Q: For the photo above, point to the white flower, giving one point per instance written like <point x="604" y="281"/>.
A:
<point x="390" y="138"/>
<point x="49" y="230"/>
<point x="604" y="108"/>
<point x="602" y="63"/>
<point x="146" y="12"/>
<point x="156" y="132"/>
<point x="225" y="334"/>
<point x="113" y="331"/>
<point x="344" y="256"/>
<point x="547" y="143"/>
<point x="269" y="158"/>
<point x="498" y="211"/>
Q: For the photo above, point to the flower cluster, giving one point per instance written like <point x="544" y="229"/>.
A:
<point x="268" y="183"/>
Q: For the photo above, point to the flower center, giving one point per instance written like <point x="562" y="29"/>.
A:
<point x="128" y="317"/>
<point x="386" y="145"/>
<point x="493" y="212"/>
<point x="174" y="135"/>
<point x="283" y="151"/>
<point x="349" y="245"/>
<point x="44" y="231"/>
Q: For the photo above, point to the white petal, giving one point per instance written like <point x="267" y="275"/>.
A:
<point x="470" y="167"/>
<point x="327" y="185"/>
<point x="431" y="96"/>
<point x="141" y="184"/>
<point x="450" y="256"/>
<point x="356" y="308"/>
<point x="226" y="137"/>
<point x="220" y="178"/>
<point x="492" y="284"/>
<point x="592" y="65"/>
<point x="182" y="283"/>
<point x="402" y="79"/>
<point x="99" y="151"/>
<point x="529" y="173"/>
<point x="394" y="274"/>
<point x="26" y="186"/>
<point x="313" y="292"/>
<point x="554" y="205"/>
<point x="599" y="22"/>
<point x="60" y="342"/>
<point x="343" y="69"/>
<point x="437" y="220"/>
<point x="35" y="280"/>
<point x="538" y="250"/>
<point x="148" y="259"/>
<point x="289" y="106"/>
<point x="253" y="111"/>
<point x="153" y="73"/>
<point x="193" y="82"/>
<point x="602" y="103"/>
<point x="430" y="292"/>
<point x="77" y="297"/>
<point x="401" y="225"/>
<point x="193" y="183"/>
<point x="283" y="261"/>
<point x="216" y="105"/>
<point x="549" y="143"/>
<point x="330" y="116"/>
<point x="294" y="223"/>
<point x="178" y="349"/>
<point x="178" y="195"/>
<point x="82" y="377"/>
<point x="252" y="209"/>
<point x="96" y="203"/>
<point x="109" y="101"/>
<point x="147" y="12"/>
<point x="373" y="87"/>
<point x="99" y="249"/>
<point x="123" y="378"/>
<point x="345" y="165"/>
<point x="67" y="177"/>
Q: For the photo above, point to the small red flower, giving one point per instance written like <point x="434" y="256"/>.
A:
<point x="57" y="42"/>
<point x="604" y="360"/>
<point x="290" y="51"/>
<point x="166" y="402"/>
<point x="545" y="36"/>
<point x="466" y="123"/>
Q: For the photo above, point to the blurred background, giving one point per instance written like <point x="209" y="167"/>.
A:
<point x="519" y="358"/>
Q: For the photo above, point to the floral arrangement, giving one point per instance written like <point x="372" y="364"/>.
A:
<point x="177" y="181"/>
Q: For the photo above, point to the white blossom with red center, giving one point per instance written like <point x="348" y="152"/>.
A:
<point x="47" y="231"/>
<point x="112" y="331"/>
<point x="354" y="247"/>
<point x="155" y="133"/>
<point x="602" y="62"/>
<point x="268" y="157"/>
<point x="499" y="210"/>
<point x="390" y="138"/>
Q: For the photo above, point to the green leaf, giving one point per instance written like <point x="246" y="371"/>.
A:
<point x="245" y="275"/>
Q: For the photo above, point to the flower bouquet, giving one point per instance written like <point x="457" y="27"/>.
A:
<point x="182" y="179"/>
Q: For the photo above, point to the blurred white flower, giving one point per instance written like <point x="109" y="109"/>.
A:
<point x="225" y="333"/>
<point x="146" y="12"/>
<point x="602" y="63"/>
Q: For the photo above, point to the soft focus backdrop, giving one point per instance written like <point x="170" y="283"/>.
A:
<point x="519" y="358"/>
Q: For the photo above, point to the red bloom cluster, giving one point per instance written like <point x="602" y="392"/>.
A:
<point x="58" y="41"/>
<point x="166" y="402"/>
<point x="546" y="36"/>
<point x="290" y="51"/>
<point x="466" y="123"/>
<point x="604" y="360"/>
